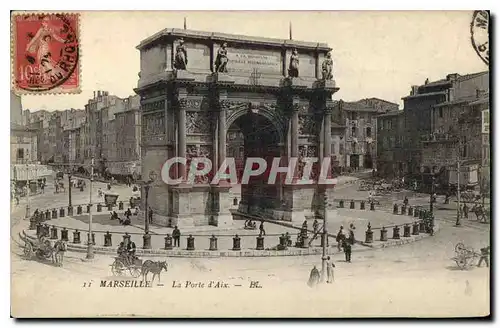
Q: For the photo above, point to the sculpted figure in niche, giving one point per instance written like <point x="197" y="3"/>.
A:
<point x="180" y="56"/>
<point x="293" y="70"/>
<point x="327" y="67"/>
<point x="221" y="60"/>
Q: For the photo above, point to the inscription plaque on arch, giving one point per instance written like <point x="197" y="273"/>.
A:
<point x="247" y="60"/>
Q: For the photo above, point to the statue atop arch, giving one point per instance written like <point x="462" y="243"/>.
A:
<point x="181" y="59"/>
<point x="327" y="67"/>
<point x="293" y="70"/>
<point x="221" y="60"/>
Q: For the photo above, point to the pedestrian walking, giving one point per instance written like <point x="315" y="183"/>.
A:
<point x="466" y="211"/>
<point x="485" y="253"/>
<point x="261" y="228"/>
<point x="176" y="235"/>
<point x="351" y="238"/>
<point x="347" y="251"/>
<point x="340" y="238"/>
<point x="329" y="271"/>
<point x="313" y="277"/>
<point x="315" y="226"/>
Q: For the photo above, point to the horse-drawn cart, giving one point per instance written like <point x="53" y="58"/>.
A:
<point x="123" y="264"/>
<point x="465" y="256"/>
<point x="42" y="249"/>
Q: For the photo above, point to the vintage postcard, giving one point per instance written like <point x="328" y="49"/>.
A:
<point x="240" y="164"/>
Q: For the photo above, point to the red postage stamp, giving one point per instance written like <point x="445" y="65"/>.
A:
<point x="45" y="53"/>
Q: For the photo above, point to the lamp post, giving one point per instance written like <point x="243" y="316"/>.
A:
<point x="458" y="223"/>
<point x="433" y="189"/>
<point x="90" y="246"/>
<point x="147" y="185"/>
<point x="69" y="185"/>
<point x="27" y="190"/>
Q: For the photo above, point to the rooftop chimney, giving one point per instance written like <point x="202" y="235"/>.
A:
<point x="94" y="94"/>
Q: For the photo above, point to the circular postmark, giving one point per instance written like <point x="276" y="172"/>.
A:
<point x="47" y="51"/>
<point x="479" y="30"/>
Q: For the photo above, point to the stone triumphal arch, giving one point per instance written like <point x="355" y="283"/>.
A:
<point x="200" y="91"/>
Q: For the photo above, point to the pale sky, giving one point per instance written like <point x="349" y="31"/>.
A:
<point x="376" y="54"/>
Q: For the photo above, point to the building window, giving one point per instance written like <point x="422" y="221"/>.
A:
<point x="353" y="131"/>
<point x="389" y="125"/>
<point x="354" y="148"/>
<point x="333" y="148"/>
<point x="369" y="132"/>
<point x="20" y="153"/>
<point x="341" y="149"/>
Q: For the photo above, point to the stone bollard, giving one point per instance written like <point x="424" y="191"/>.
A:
<point x="362" y="205"/>
<point x="416" y="212"/>
<point x="47" y="215"/>
<point x="46" y="230"/>
<point x="395" y="209"/>
<point x="235" y="201"/>
<point x="107" y="240"/>
<point x="415" y="229"/>
<point x="70" y="210"/>
<point x="61" y="212"/>
<point x="110" y="207"/>
<point x="352" y="206"/>
<point x="260" y="243"/>
<point x="76" y="237"/>
<point x="383" y="234"/>
<point x="341" y="203"/>
<point x="126" y="238"/>
<point x="213" y="243"/>
<point x="120" y="206"/>
<point x="88" y="208"/>
<point x="282" y="245"/>
<point x="39" y="230"/>
<point x="32" y="223"/>
<point x="372" y="206"/>
<point x="53" y="233"/>
<point x="406" y="231"/>
<point x="79" y="209"/>
<point x="190" y="243"/>
<point x="395" y="233"/>
<point x="403" y="209"/>
<point x="42" y="215"/>
<point x="54" y="214"/>
<point x="369" y="234"/>
<point x="236" y="243"/>
<point x="168" y="242"/>
<point x="305" y="241"/>
<point x="410" y="211"/>
<point x="146" y="241"/>
<point x="99" y="207"/>
<point x="421" y="227"/>
<point x="93" y="238"/>
<point x="64" y="234"/>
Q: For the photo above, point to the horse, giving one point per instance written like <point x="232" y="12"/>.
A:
<point x="58" y="252"/>
<point x="153" y="267"/>
<point x="481" y="214"/>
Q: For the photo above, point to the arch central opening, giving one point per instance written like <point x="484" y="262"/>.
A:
<point x="254" y="135"/>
